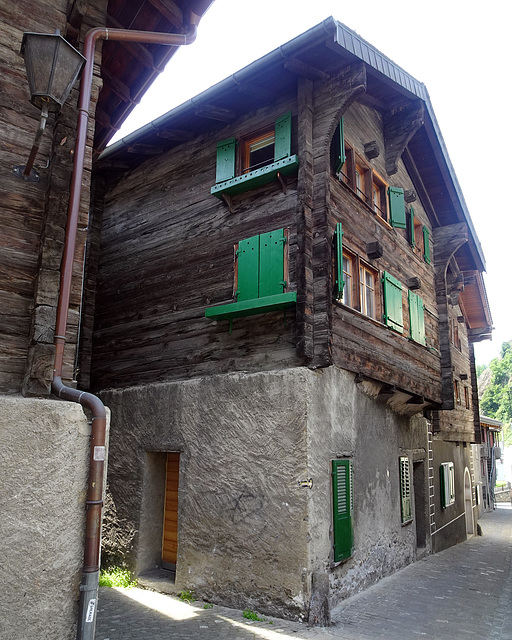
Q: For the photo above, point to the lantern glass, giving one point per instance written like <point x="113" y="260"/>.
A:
<point x="53" y="66"/>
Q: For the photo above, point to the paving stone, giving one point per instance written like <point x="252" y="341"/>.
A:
<point x="462" y="593"/>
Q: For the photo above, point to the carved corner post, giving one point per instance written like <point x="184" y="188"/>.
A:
<point x="446" y="242"/>
<point x="400" y="125"/>
<point x="332" y="99"/>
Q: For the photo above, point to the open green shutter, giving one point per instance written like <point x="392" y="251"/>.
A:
<point x="271" y="267"/>
<point x="283" y="136"/>
<point x="393" y="311"/>
<point x="342" y="507"/>
<point x="340" y="282"/>
<point x="338" y="149"/>
<point x="397" y="207"/>
<point x="225" y="160"/>
<point x="426" y="244"/>
<point x="416" y="318"/>
<point x="405" y="489"/>
<point x="412" y="238"/>
<point x="248" y="260"/>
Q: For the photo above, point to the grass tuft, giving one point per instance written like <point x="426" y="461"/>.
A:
<point x="116" y="577"/>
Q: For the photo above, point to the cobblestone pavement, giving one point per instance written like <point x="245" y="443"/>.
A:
<point x="462" y="593"/>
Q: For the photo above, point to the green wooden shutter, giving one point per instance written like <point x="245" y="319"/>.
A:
<point x="271" y="267"/>
<point x="225" y="160"/>
<point x="393" y="312"/>
<point x="283" y="136"/>
<point x="412" y="238"/>
<point x="416" y="318"/>
<point x="426" y="244"/>
<point x="342" y="509"/>
<point x="248" y="260"/>
<point x="397" y="207"/>
<point x="340" y="282"/>
<point x="338" y="149"/>
<point x="405" y="489"/>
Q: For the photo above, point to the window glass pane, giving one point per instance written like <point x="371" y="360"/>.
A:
<point x="259" y="152"/>
<point x="347" y="277"/>
<point x="367" y="292"/>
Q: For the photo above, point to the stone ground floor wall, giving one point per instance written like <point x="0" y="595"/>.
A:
<point x="255" y="491"/>
<point x="44" y="450"/>
<point x="451" y="525"/>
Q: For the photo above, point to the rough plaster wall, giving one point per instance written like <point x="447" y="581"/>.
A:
<point x="242" y="515"/>
<point x="346" y="422"/>
<point x="44" y="449"/>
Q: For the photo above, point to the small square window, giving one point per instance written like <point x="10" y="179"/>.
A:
<point x="447" y="484"/>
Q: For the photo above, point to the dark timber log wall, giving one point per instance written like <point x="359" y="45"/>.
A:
<point x="167" y="254"/>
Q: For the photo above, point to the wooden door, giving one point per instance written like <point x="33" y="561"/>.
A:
<point x="170" y="529"/>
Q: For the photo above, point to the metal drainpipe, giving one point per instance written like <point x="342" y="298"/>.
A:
<point x="94" y="502"/>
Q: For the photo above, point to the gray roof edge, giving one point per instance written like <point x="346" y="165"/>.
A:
<point x="491" y="421"/>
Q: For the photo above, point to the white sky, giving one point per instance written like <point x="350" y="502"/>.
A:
<point x="458" y="48"/>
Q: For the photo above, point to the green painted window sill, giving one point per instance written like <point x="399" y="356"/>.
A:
<point x="256" y="178"/>
<point x="252" y="307"/>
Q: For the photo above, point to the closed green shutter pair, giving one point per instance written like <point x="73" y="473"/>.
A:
<point x="340" y="282"/>
<point x="405" y="489"/>
<point x="260" y="266"/>
<point x="343" y="504"/>
<point x="226" y="149"/>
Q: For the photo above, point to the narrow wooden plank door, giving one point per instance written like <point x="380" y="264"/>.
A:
<point x="170" y="529"/>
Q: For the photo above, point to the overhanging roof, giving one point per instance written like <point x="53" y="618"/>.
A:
<point x="325" y="47"/>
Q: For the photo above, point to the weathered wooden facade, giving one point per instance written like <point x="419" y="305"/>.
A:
<point x="297" y="228"/>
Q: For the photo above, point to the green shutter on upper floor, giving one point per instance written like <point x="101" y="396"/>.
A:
<point x="342" y="480"/>
<point x="426" y="244"/>
<point x="340" y="282"/>
<point x="338" y="148"/>
<point x="393" y="307"/>
<point x="397" y="207"/>
<point x="271" y="267"/>
<point x="283" y="136"/>
<point x="416" y="318"/>
<point x="225" y="160"/>
<point x="248" y="265"/>
<point x="412" y="238"/>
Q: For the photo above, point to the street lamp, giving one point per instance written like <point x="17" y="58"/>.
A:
<point x="53" y="67"/>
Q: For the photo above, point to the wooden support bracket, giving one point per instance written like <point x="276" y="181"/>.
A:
<point x="399" y="127"/>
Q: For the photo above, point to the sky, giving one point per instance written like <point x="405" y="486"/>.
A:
<point x="458" y="49"/>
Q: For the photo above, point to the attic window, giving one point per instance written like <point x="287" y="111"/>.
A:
<point x="262" y="158"/>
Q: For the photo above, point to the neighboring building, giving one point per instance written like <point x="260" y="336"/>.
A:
<point x="489" y="452"/>
<point x="285" y="286"/>
<point x="45" y="442"/>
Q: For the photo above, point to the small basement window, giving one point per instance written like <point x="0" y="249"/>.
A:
<point x="447" y="483"/>
<point x="405" y="489"/>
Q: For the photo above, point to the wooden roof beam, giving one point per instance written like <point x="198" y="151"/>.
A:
<point x="117" y="86"/>
<point x="399" y="127"/>
<point x="304" y="70"/>
<point x="170" y="11"/>
<point x="212" y="112"/>
<point x="138" y="51"/>
<point x="176" y="135"/>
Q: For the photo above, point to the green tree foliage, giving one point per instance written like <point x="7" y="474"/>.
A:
<point x="497" y="399"/>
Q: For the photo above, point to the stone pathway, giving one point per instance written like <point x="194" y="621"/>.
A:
<point x="463" y="593"/>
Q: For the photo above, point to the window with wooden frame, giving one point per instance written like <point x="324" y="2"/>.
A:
<point x="263" y="156"/>
<point x="343" y="506"/>
<point x="355" y="280"/>
<point x="379" y="201"/>
<point x="405" y="489"/>
<point x="456" y="392"/>
<point x="367" y="282"/>
<point x="447" y="484"/>
<point x="260" y="279"/>
<point x="467" y="397"/>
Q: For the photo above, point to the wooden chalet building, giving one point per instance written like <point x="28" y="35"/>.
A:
<point x="45" y="442"/>
<point x="283" y="291"/>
